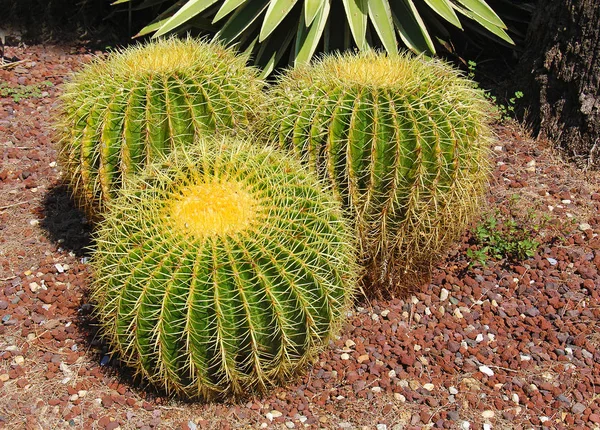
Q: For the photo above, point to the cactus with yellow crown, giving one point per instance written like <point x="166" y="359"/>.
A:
<point x="121" y="112"/>
<point x="222" y="270"/>
<point x="403" y="140"/>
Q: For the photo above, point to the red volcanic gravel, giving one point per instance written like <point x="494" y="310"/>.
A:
<point x="506" y="345"/>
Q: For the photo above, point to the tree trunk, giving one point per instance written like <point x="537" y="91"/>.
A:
<point x="562" y="56"/>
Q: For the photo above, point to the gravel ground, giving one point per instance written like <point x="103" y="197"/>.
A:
<point x="502" y="345"/>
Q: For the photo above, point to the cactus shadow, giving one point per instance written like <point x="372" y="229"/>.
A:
<point x="98" y="351"/>
<point x="64" y="224"/>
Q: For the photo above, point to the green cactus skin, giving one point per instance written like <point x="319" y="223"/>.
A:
<point x="403" y="140"/>
<point x="223" y="270"/>
<point x="122" y="111"/>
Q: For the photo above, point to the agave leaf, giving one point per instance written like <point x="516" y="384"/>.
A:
<point x="481" y="9"/>
<point x="484" y="31"/>
<point x="444" y="9"/>
<point x="241" y="20"/>
<point x="381" y="17"/>
<point x="411" y="27"/>
<point x="187" y="12"/>
<point x="308" y="38"/>
<point x="356" y="14"/>
<point x="226" y="8"/>
<point x="494" y="29"/>
<point x="277" y="11"/>
<point x="272" y="49"/>
<point x="311" y="7"/>
<point x="120" y="1"/>
<point x="159" y="21"/>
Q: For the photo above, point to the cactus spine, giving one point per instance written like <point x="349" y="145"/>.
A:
<point x="120" y="112"/>
<point x="403" y="140"/>
<point x="222" y="270"/>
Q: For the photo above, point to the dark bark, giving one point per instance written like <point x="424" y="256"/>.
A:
<point x="562" y="57"/>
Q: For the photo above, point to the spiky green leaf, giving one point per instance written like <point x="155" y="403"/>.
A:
<point x="307" y="39"/>
<point x="481" y="9"/>
<point x="187" y="12"/>
<point x="411" y="27"/>
<point x="381" y="17"/>
<point x="357" y="13"/>
<point x="276" y="12"/>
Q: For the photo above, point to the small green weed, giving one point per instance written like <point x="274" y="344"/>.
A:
<point x="501" y="240"/>
<point x="23" y="91"/>
<point x="505" y="110"/>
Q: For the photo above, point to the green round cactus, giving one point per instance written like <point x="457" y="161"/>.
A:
<point x="222" y="270"/>
<point x="404" y="142"/>
<point x="121" y="111"/>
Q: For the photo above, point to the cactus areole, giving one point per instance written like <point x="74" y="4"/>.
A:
<point x="403" y="140"/>
<point x="123" y="111"/>
<point x="222" y="271"/>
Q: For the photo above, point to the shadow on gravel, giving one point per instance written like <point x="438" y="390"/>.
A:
<point x="65" y="224"/>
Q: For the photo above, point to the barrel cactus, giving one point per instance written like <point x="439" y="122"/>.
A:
<point x="403" y="140"/>
<point x="222" y="270"/>
<point x="123" y="110"/>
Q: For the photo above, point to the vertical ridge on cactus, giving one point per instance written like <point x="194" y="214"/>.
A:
<point x="222" y="270"/>
<point x="121" y="112"/>
<point x="403" y="140"/>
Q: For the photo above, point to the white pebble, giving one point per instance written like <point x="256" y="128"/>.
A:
<point x="465" y="425"/>
<point x="381" y="427"/>
<point x="350" y="343"/>
<point x="525" y="357"/>
<point x="376" y="389"/>
<point x="269" y="416"/>
<point x="486" y="370"/>
<point x="59" y="268"/>
<point x="392" y="373"/>
<point x="19" y="359"/>
<point x="453" y="390"/>
<point x="487" y="426"/>
<point x="491" y="337"/>
<point x="275" y="413"/>
<point x="429" y="386"/>
<point x="53" y="164"/>
<point x="488" y="414"/>
<point x="444" y="294"/>
<point x="345" y="356"/>
<point x="264" y="425"/>
<point x="497" y="148"/>
<point x="544" y="419"/>
<point x="479" y="338"/>
<point x="34" y="222"/>
<point x="427" y="311"/>
<point x="399" y="397"/>
<point x="566" y="202"/>
<point x="515" y="398"/>
<point x="458" y="314"/>
<point x="290" y="424"/>
<point x="385" y="313"/>
<point x="584" y="226"/>
<point x="375" y="317"/>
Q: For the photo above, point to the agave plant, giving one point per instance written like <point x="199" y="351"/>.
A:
<point x="271" y="28"/>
